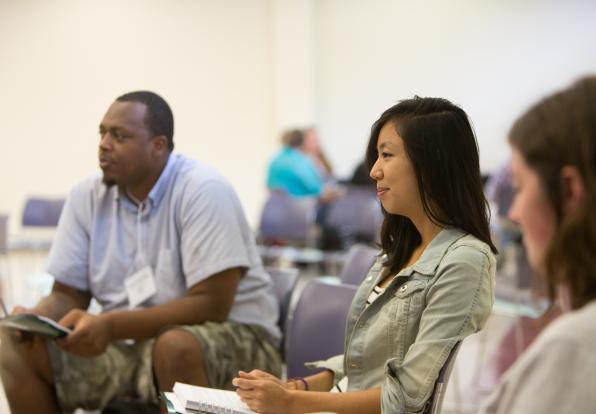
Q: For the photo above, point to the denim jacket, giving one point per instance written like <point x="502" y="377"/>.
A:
<point x="401" y="341"/>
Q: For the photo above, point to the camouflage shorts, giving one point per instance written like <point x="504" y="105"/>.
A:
<point x="125" y="370"/>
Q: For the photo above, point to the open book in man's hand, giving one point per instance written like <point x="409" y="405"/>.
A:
<point x="35" y="324"/>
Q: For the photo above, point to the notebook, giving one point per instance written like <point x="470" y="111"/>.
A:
<point x="172" y="404"/>
<point x="194" y="398"/>
<point x="35" y="324"/>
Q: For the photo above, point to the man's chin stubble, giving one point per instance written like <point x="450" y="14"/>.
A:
<point x="109" y="182"/>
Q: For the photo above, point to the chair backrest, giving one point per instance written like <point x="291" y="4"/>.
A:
<point x="355" y="216"/>
<point x="436" y="400"/>
<point x="359" y="260"/>
<point x="42" y="211"/>
<point x="286" y="219"/>
<point x="3" y="234"/>
<point x="284" y="281"/>
<point x="316" y="326"/>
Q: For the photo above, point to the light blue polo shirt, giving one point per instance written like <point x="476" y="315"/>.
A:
<point x="190" y="227"/>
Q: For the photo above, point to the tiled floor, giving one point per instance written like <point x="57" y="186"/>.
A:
<point x="477" y="366"/>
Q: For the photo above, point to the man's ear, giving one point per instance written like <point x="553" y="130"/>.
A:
<point x="573" y="189"/>
<point x="160" y="145"/>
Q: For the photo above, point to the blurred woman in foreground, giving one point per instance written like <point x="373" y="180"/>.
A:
<point x="554" y="167"/>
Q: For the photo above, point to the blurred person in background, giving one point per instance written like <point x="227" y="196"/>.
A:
<point x="313" y="149"/>
<point x="554" y="174"/>
<point x="293" y="171"/>
<point x="361" y="176"/>
<point x="499" y="191"/>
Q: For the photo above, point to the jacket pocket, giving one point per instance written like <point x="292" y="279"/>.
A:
<point x="410" y="297"/>
<point x="403" y="313"/>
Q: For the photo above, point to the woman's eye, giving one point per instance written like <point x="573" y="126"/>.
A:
<point x="385" y="155"/>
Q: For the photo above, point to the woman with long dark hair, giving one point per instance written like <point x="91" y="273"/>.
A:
<point x="554" y="174"/>
<point x="432" y="285"/>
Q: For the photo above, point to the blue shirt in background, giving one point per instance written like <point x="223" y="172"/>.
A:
<point x="295" y="173"/>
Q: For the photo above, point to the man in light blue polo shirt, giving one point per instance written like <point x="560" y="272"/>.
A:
<point x="162" y="243"/>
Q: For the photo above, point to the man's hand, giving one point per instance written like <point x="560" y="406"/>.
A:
<point x="17" y="310"/>
<point x="90" y="334"/>
<point x="14" y="335"/>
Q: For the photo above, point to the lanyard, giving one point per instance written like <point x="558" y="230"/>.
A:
<point x="140" y="258"/>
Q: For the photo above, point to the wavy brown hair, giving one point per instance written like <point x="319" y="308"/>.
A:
<point x="442" y="148"/>
<point x="556" y="132"/>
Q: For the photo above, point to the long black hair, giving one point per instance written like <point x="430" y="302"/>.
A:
<point x="442" y="147"/>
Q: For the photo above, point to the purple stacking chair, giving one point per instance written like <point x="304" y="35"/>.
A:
<point x="356" y="216"/>
<point x="357" y="263"/>
<point x="42" y="212"/>
<point x="3" y="234"/>
<point x="5" y="280"/>
<point x="287" y="220"/>
<point x="316" y="327"/>
<point x="284" y="281"/>
<point x="435" y="402"/>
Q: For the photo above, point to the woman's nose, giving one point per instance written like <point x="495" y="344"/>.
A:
<point x="375" y="172"/>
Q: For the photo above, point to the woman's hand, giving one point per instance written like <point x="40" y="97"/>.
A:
<point x="291" y="384"/>
<point x="263" y="392"/>
<point x="258" y="374"/>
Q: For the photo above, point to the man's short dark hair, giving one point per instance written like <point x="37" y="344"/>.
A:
<point x="159" y="117"/>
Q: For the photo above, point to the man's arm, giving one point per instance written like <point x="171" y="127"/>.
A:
<point x="208" y="300"/>
<point x="60" y="301"/>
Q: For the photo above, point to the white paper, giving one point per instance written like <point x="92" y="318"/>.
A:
<point x="193" y="397"/>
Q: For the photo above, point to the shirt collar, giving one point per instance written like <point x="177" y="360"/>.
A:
<point x="162" y="183"/>
<point x="157" y="191"/>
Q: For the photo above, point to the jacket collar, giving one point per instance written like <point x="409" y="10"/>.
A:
<point x="428" y="263"/>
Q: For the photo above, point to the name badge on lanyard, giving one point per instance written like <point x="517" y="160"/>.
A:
<point x="140" y="286"/>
